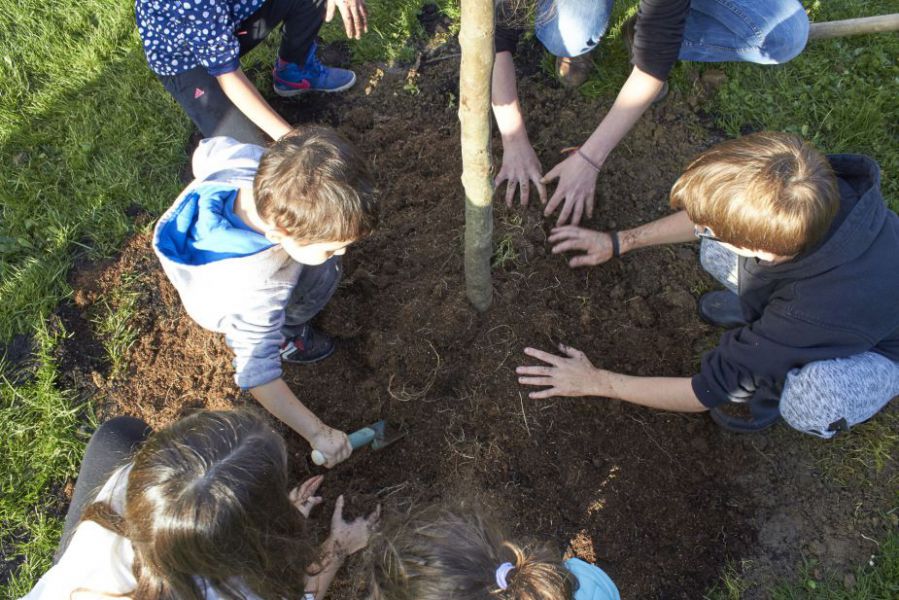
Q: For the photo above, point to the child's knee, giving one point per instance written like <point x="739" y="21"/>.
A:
<point x="828" y="396"/>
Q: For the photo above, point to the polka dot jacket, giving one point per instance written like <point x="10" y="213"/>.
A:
<point x="179" y="35"/>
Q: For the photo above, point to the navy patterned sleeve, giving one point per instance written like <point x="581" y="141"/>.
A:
<point x="209" y="31"/>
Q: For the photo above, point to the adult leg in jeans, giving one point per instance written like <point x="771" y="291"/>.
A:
<point x="570" y="28"/>
<point x="314" y="288"/>
<point x="828" y="396"/>
<point x="111" y="447"/>
<point x="758" y="31"/>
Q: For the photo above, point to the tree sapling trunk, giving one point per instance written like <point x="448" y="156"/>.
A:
<point x="476" y="41"/>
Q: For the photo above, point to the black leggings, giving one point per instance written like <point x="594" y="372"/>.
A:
<point x="111" y="447"/>
<point x="199" y="93"/>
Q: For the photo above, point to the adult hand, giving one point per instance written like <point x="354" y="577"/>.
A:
<point x="349" y="538"/>
<point x="333" y="443"/>
<point x="569" y="375"/>
<point x="303" y="496"/>
<point x="596" y="245"/>
<point x="520" y="167"/>
<point x="575" y="190"/>
<point x="354" y="14"/>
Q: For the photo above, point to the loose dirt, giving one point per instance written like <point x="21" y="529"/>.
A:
<point x="661" y="501"/>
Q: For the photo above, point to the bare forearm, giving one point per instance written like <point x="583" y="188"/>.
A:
<point x="277" y="398"/>
<point x="250" y="102"/>
<point x="504" y="98"/>
<point x="635" y="97"/>
<point x="672" y="229"/>
<point x="662" y="393"/>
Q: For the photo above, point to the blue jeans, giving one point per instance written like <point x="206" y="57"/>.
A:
<point x="757" y="31"/>
<point x="315" y="286"/>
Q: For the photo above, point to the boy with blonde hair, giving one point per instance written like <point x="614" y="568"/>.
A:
<point x="809" y="255"/>
<point x="253" y="247"/>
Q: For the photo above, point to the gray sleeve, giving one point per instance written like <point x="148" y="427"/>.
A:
<point x="225" y="159"/>
<point x="255" y="337"/>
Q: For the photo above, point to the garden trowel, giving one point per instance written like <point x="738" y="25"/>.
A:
<point x="377" y="435"/>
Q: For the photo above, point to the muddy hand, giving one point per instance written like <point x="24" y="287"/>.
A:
<point x="354" y="14"/>
<point x="303" y="496"/>
<point x="520" y="168"/>
<point x="596" y="245"/>
<point x="575" y="190"/>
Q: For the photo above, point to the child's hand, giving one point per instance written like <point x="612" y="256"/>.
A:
<point x="570" y="375"/>
<point x="333" y="444"/>
<point x="354" y="14"/>
<point x="303" y="496"/>
<point x="349" y="538"/>
<point x="596" y="245"/>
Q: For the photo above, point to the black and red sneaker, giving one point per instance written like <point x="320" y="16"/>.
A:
<point x="309" y="347"/>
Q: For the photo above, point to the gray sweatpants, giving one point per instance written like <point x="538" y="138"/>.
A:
<point x="314" y="288"/>
<point x="824" y="393"/>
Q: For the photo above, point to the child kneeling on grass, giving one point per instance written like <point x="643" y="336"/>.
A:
<point x="809" y="255"/>
<point x="253" y="247"/>
<point x="198" y="510"/>
<point x="462" y="554"/>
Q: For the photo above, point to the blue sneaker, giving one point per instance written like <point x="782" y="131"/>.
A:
<point x="291" y="79"/>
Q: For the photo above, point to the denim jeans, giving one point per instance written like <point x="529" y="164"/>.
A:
<point x="757" y="31"/>
<point x="826" y="396"/>
<point x="316" y="285"/>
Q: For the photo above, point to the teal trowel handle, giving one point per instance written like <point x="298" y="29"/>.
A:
<point x="360" y="438"/>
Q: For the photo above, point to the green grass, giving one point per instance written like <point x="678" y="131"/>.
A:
<point x="42" y="442"/>
<point x="877" y="580"/>
<point x="115" y="323"/>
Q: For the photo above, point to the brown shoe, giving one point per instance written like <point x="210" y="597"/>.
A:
<point x="573" y="72"/>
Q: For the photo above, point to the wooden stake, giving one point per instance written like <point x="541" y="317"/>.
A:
<point x="832" y="29"/>
<point x="475" y="75"/>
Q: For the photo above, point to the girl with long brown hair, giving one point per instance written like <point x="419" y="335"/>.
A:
<point x="200" y="511"/>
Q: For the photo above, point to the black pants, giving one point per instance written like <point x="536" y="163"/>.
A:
<point x="199" y="93"/>
<point x="111" y="447"/>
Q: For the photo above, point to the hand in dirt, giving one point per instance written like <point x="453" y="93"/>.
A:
<point x="596" y="245"/>
<point x="303" y="496"/>
<point x="351" y="537"/>
<point x="569" y="375"/>
<point x="520" y="167"/>
<point x="333" y="443"/>
<point x="575" y="190"/>
<point x="354" y="14"/>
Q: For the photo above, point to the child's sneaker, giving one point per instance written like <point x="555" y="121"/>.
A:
<point x="309" y="347"/>
<point x="291" y="79"/>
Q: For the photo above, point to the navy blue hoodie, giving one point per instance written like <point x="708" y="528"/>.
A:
<point x="836" y="300"/>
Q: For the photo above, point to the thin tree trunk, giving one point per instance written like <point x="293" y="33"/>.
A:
<point x="476" y="41"/>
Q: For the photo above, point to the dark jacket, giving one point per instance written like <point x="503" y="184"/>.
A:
<point x="836" y="300"/>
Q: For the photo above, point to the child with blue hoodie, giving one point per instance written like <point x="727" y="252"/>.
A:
<point x="462" y="553"/>
<point x="253" y="247"/>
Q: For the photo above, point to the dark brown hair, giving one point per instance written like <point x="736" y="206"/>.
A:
<point x="207" y="502"/>
<point x="766" y="191"/>
<point x="314" y="184"/>
<point x="442" y="553"/>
